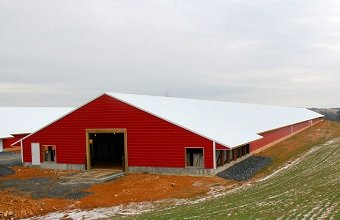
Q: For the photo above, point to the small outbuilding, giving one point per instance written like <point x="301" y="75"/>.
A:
<point x="139" y="133"/>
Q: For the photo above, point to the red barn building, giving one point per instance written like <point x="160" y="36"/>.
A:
<point x="7" y="142"/>
<point x="138" y="133"/>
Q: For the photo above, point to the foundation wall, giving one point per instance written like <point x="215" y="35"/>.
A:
<point x="59" y="166"/>
<point x="172" y="171"/>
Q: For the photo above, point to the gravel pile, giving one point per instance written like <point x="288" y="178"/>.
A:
<point x="4" y="171"/>
<point x="8" y="153"/>
<point x="10" y="159"/>
<point x="46" y="188"/>
<point x="245" y="169"/>
<point x="9" y="163"/>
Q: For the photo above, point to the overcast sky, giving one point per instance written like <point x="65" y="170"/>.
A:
<point x="63" y="53"/>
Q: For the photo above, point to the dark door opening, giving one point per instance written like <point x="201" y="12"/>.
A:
<point x="107" y="150"/>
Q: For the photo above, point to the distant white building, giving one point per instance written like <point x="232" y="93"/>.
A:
<point x="17" y="122"/>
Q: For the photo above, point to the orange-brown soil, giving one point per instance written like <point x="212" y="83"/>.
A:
<point x="130" y="188"/>
<point x="148" y="187"/>
<point x="16" y="207"/>
<point x="29" y="172"/>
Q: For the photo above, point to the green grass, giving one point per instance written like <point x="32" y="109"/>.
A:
<point x="309" y="189"/>
<point x="298" y="144"/>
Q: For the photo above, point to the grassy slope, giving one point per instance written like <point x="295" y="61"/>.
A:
<point x="308" y="189"/>
<point x="298" y="144"/>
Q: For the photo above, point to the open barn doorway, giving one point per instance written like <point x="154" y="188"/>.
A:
<point x="106" y="150"/>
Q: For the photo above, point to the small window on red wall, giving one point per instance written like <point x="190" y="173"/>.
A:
<point x="194" y="157"/>
<point x="49" y="153"/>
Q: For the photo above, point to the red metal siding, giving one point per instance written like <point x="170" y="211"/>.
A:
<point x="302" y="125"/>
<point x="316" y="120"/>
<point x="274" y="135"/>
<point x="7" y="142"/>
<point x="151" y="142"/>
<point x="221" y="147"/>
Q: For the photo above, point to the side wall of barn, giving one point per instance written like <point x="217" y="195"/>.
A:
<point x="274" y="136"/>
<point x="227" y="157"/>
<point x="152" y="143"/>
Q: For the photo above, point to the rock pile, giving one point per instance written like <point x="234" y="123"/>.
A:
<point x="10" y="159"/>
<point x="245" y="169"/>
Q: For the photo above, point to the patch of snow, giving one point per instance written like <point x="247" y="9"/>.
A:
<point x="98" y="213"/>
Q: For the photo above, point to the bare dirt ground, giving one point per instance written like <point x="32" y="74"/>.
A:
<point x="16" y="204"/>
<point x="148" y="187"/>
<point x="135" y="188"/>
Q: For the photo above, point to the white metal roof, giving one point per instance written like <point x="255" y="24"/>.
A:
<point x="22" y="120"/>
<point x="230" y="124"/>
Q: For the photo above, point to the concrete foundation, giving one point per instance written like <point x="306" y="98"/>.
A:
<point x="59" y="166"/>
<point x="156" y="170"/>
<point x="172" y="171"/>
